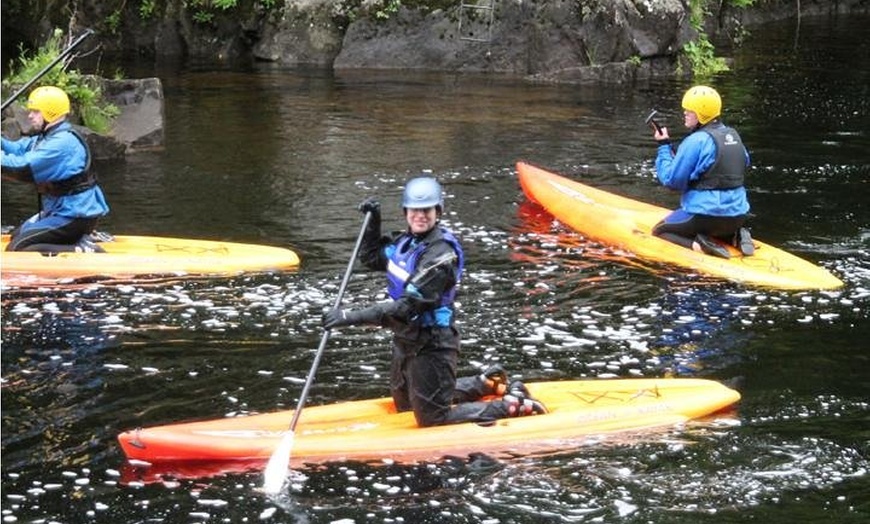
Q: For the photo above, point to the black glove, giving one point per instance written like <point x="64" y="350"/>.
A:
<point x="346" y="317"/>
<point x="370" y="205"/>
<point x="335" y="318"/>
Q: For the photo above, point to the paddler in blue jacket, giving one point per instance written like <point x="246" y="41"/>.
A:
<point x="708" y="169"/>
<point x="424" y="265"/>
<point x="57" y="160"/>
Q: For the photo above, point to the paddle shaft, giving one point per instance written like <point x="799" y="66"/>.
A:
<point x="64" y="54"/>
<point x="310" y="379"/>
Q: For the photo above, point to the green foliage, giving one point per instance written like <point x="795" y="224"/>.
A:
<point x="87" y="99"/>
<point x="202" y="17"/>
<point x="201" y="11"/>
<point x="697" y="13"/>
<point x="204" y="11"/>
<point x="96" y="113"/>
<point x="387" y="9"/>
<point x="146" y="9"/>
<point x="590" y="55"/>
<point x="113" y="21"/>
<point x="588" y="9"/>
<point x="701" y="55"/>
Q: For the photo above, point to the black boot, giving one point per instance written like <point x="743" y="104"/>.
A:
<point x="743" y="242"/>
<point x="521" y="403"/>
<point x="86" y="245"/>
<point x="494" y="380"/>
<point x="705" y="244"/>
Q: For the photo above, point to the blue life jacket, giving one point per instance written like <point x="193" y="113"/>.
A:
<point x="403" y="256"/>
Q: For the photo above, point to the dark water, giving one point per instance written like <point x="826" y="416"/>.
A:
<point x="283" y="157"/>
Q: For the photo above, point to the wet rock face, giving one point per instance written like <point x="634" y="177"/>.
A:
<point x="517" y="37"/>
<point x="140" y="124"/>
<point x="138" y="127"/>
<point x="306" y="32"/>
<point x="526" y="37"/>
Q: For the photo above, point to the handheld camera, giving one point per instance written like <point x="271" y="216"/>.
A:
<point x="651" y="121"/>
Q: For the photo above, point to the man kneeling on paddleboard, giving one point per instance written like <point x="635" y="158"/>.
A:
<point x="57" y="160"/>
<point x="424" y="265"/>
<point x="708" y="168"/>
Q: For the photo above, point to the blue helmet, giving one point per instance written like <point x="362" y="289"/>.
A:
<point x="421" y="193"/>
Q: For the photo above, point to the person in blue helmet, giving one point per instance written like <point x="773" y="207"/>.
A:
<point x="57" y="161"/>
<point x="424" y="265"/>
<point x="708" y="168"/>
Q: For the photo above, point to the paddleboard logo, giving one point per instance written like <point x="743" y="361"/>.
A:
<point x="649" y="402"/>
<point x="192" y="250"/>
<point x="248" y="434"/>
<point x="365" y="426"/>
<point x="592" y="397"/>
<point x="573" y="193"/>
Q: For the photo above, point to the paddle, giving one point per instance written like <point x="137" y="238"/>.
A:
<point x="64" y="54"/>
<point x="279" y="463"/>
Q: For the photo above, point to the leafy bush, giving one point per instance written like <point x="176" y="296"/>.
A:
<point x="701" y="52"/>
<point x="86" y="96"/>
<point x="701" y="55"/>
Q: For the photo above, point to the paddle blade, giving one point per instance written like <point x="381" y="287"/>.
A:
<point x="279" y="465"/>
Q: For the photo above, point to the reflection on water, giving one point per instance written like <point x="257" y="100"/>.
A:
<point x="283" y="157"/>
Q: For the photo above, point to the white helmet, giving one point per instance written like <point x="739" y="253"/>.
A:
<point x="421" y="193"/>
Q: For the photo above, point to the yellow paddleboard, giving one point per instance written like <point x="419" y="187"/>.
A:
<point x="137" y="256"/>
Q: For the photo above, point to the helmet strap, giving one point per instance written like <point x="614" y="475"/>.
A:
<point x="46" y="125"/>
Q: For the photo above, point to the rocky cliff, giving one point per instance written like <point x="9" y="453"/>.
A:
<point x="558" y="40"/>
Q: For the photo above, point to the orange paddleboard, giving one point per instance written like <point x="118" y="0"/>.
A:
<point x="372" y="429"/>
<point x="627" y="224"/>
